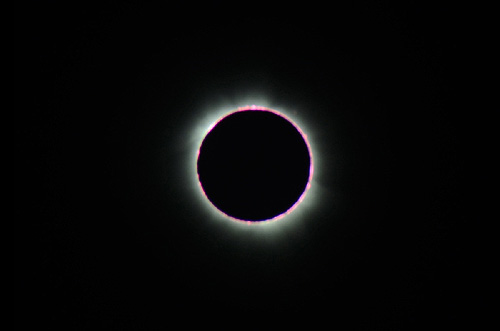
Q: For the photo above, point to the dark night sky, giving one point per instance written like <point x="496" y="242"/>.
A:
<point x="124" y="245"/>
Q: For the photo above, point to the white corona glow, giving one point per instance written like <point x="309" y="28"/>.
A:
<point x="206" y="119"/>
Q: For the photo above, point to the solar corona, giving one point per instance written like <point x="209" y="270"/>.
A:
<point x="254" y="165"/>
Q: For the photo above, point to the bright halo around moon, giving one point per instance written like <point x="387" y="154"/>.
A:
<point x="275" y="185"/>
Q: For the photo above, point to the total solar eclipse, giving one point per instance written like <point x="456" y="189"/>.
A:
<point x="254" y="165"/>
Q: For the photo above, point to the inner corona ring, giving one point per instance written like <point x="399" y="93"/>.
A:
<point x="254" y="165"/>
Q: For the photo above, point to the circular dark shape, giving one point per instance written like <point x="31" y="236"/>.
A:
<point x="254" y="165"/>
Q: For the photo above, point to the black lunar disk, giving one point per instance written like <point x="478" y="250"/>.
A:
<point x="254" y="165"/>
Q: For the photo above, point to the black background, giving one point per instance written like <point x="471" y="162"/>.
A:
<point x="116" y="86"/>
